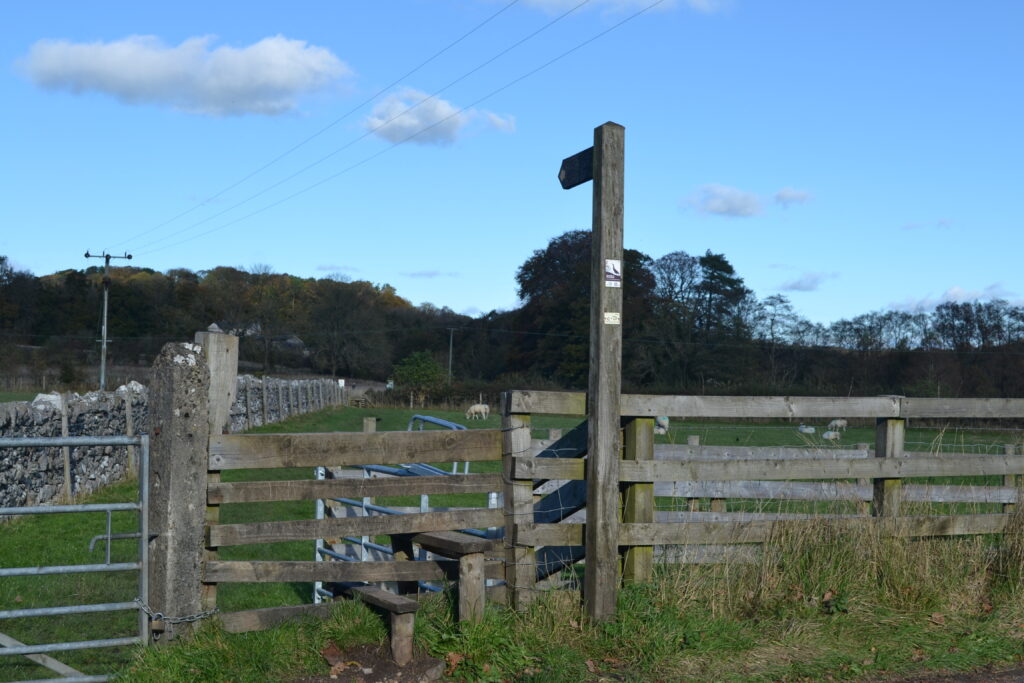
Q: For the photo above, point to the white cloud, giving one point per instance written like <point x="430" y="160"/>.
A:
<point x="415" y="116"/>
<point x="705" y="6"/>
<point x="506" y="124"/>
<point x="957" y="294"/>
<point x="807" y="282"/>
<point x="410" y="115"/>
<point x="723" y="200"/>
<point x="262" y="78"/>
<point x="789" y="195"/>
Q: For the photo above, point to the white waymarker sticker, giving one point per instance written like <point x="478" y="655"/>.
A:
<point x="612" y="272"/>
<point x="612" y="318"/>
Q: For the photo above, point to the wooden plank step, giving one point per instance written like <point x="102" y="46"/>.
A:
<point x="378" y="597"/>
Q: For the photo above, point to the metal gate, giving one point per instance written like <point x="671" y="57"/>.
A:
<point x="39" y="653"/>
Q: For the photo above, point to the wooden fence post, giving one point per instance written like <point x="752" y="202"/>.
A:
<point x="638" y="499"/>
<point x="221" y="353"/>
<point x="604" y="434"/>
<point x="1010" y="479"/>
<point x="888" y="444"/>
<point x="694" y="440"/>
<point x="179" y="447"/>
<point x="520" y="557"/>
<point x="864" y="506"/>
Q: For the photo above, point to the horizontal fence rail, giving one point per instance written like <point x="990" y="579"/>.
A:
<point x="254" y="451"/>
<point x="313" y="489"/>
<point x="888" y="468"/>
<point x="641" y="405"/>
<point x="312" y="529"/>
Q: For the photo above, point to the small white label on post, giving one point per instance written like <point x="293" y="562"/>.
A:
<point x="612" y="318"/>
<point x="612" y="272"/>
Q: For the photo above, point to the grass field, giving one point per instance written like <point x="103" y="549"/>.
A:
<point x="6" y="396"/>
<point x="817" y="605"/>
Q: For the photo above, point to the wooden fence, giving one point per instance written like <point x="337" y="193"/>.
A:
<point x="543" y="514"/>
<point x="872" y="480"/>
<point x="193" y="391"/>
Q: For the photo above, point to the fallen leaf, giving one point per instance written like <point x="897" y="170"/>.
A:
<point x="938" y="619"/>
<point x="918" y="656"/>
<point x="332" y="654"/>
<point x="986" y="607"/>
<point x="591" y="666"/>
<point x="453" y="659"/>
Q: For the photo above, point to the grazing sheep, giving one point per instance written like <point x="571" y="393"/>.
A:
<point x="478" y="411"/>
<point x="839" y="423"/>
<point x="661" y="425"/>
<point x="831" y="435"/>
<point x="805" y="429"/>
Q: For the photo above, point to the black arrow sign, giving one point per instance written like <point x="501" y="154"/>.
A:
<point x="577" y="169"/>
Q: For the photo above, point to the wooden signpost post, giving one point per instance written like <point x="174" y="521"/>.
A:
<point x="604" y="164"/>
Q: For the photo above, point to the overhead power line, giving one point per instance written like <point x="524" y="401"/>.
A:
<point x="323" y="130"/>
<point x="425" y="129"/>
<point x="376" y="128"/>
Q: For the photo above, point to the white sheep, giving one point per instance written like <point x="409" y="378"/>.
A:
<point x="661" y="425"/>
<point x="805" y="429"/>
<point x="831" y="435"/>
<point x="478" y="411"/>
<point x="837" y="424"/>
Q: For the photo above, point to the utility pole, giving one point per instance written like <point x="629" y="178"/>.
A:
<point x="106" y="291"/>
<point x="451" y="333"/>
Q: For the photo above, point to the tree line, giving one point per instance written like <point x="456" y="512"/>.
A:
<point x="690" y="326"/>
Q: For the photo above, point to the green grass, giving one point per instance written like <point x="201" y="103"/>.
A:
<point x="63" y="539"/>
<point x="7" y="396"/>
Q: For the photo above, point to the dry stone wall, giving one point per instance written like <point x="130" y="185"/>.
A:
<point x="36" y="476"/>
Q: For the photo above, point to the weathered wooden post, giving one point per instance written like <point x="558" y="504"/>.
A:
<point x="520" y="554"/>
<point x="1010" y="479"/>
<point x="221" y="353"/>
<point x="604" y="440"/>
<point x="888" y="444"/>
<point x="638" y="500"/>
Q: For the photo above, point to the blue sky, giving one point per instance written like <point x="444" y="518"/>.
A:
<point x="853" y="156"/>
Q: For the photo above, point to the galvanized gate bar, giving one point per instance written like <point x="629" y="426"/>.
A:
<point x="52" y="509"/>
<point x="63" y="647"/>
<point x="142" y="566"/>
<point x="51" y="441"/>
<point x="72" y="609"/>
<point x="70" y="569"/>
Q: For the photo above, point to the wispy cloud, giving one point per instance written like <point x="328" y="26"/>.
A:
<point x="806" y="282"/>
<point x="414" y="116"/>
<point x="263" y="78"/>
<point x="506" y="124"/>
<point x="958" y="294"/>
<point x="789" y="195"/>
<point x="723" y="200"/>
